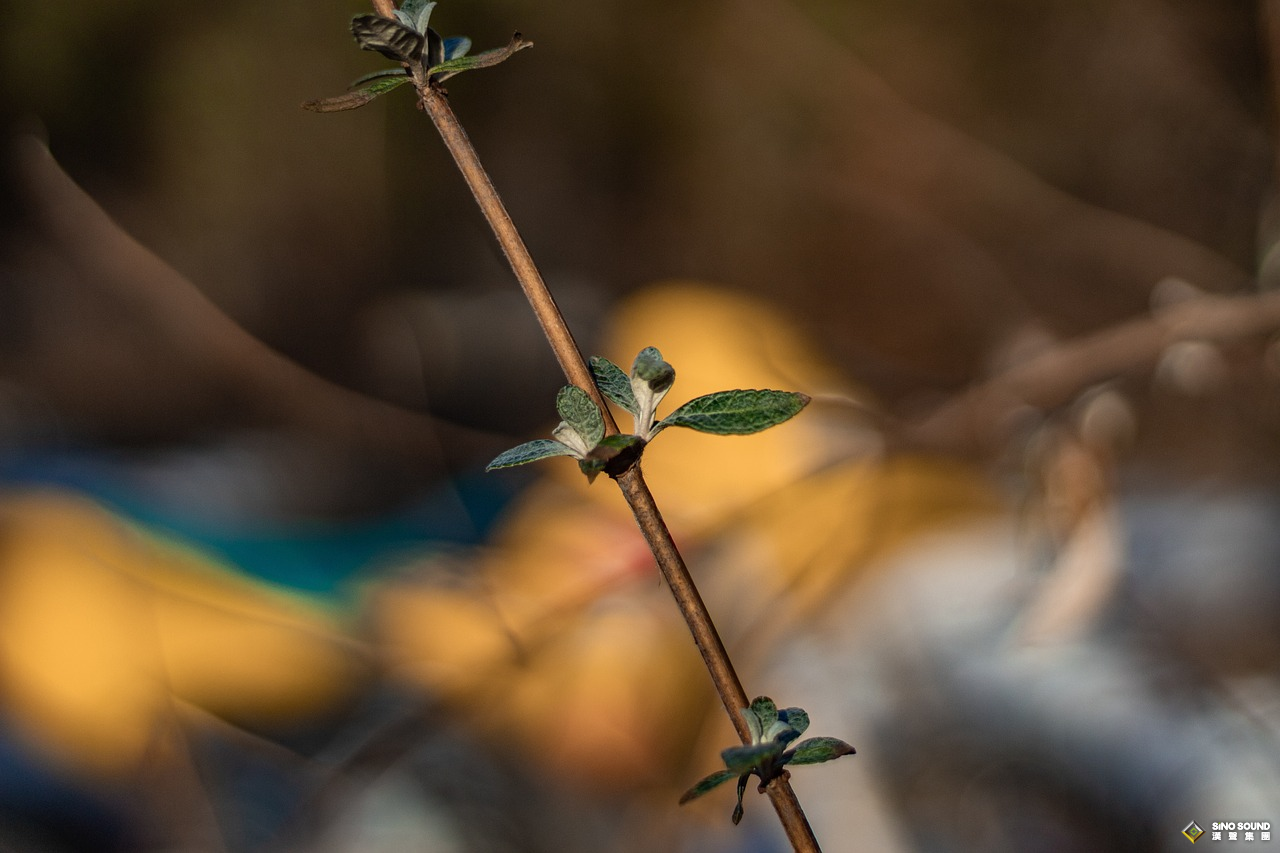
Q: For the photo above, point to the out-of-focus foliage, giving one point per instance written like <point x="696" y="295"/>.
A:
<point x="106" y="631"/>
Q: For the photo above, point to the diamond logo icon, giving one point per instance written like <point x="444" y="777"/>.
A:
<point x="1193" y="832"/>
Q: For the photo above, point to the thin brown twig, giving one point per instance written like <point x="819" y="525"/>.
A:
<point x="631" y="482"/>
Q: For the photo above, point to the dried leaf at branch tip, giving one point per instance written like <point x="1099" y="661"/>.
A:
<point x="450" y="67"/>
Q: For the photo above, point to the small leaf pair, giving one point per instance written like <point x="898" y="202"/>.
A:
<point x="722" y="413"/>
<point x="408" y="39"/>
<point x="767" y="755"/>
<point x="581" y="432"/>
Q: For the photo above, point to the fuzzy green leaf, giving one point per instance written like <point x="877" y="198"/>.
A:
<point x="743" y="759"/>
<point x="797" y="718"/>
<point x="352" y="100"/>
<point x="378" y="75"/>
<point x="780" y="733"/>
<point x="650" y="367"/>
<point x="766" y="712"/>
<point x="706" y="784"/>
<point x="448" y="68"/>
<point x="736" y="412"/>
<point x="614" y="384"/>
<point x="580" y="412"/>
<point x="816" y="750"/>
<point x="530" y="451"/>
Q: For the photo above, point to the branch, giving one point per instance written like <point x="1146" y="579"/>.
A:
<point x="979" y="417"/>
<point x="631" y="482"/>
<point x="218" y="353"/>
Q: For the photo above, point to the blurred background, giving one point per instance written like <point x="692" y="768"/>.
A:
<point x="1023" y="550"/>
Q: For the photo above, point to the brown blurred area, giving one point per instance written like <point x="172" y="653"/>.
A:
<point x="883" y="204"/>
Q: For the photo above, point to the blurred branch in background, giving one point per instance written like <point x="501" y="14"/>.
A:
<point x="171" y="321"/>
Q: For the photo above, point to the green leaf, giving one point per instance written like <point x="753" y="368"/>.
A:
<point x="378" y="75"/>
<point x="580" y="412"/>
<point x="796" y="718"/>
<point x="736" y="412"/>
<point x="650" y="367"/>
<point x="708" y="783"/>
<point x="780" y="733"/>
<point x="448" y="68"/>
<point x="530" y="451"/>
<point x="816" y="750"/>
<point x="766" y="712"/>
<point x="614" y="384"/>
<point x="358" y="98"/>
<point x="743" y="759"/>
